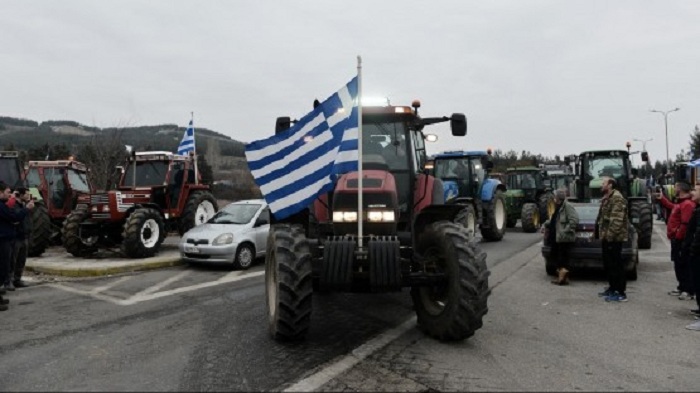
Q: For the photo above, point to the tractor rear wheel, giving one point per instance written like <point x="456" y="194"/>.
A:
<point x="70" y="235"/>
<point x="288" y="282"/>
<point x="642" y="219"/>
<point x="200" y="207"/>
<point x="467" y="218"/>
<point x="455" y="309"/>
<point x="530" y="218"/>
<point x="495" y="215"/>
<point x="144" y="232"/>
<point x="547" y="205"/>
<point x="40" y="237"/>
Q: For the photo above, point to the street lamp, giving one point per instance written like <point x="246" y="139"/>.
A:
<point x="644" y="142"/>
<point x="665" y="113"/>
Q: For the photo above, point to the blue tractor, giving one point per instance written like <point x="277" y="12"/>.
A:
<point x="466" y="182"/>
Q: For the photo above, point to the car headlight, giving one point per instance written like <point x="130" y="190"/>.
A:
<point x="381" y="216"/>
<point x="344" y="216"/>
<point x="224" y="238"/>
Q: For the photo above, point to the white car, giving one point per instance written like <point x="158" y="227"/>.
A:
<point x="236" y="235"/>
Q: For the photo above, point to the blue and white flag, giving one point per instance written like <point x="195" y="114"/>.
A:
<point x="187" y="142"/>
<point x="293" y="167"/>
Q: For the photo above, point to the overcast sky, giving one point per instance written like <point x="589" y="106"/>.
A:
<point x="551" y="77"/>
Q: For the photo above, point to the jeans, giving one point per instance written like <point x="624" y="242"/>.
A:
<point x="681" y="266"/>
<point x="614" y="266"/>
<point x="6" y="247"/>
<point x="19" y="259"/>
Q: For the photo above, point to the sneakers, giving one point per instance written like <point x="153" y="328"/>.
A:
<point x="2" y="290"/>
<point x="694" y="326"/>
<point x="695" y="312"/>
<point x="606" y="292"/>
<point x="686" y="296"/>
<point x="4" y="301"/>
<point x="20" y="284"/>
<point x="675" y="292"/>
<point x="616" y="297"/>
<point x="9" y="287"/>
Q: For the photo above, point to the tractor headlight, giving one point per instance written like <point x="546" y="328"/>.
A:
<point x="94" y="209"/>
<point x="224" y="238"/>
<point x="105" y="209"/>
<point x="381" y="216"/>
<point x="344" y="216"/>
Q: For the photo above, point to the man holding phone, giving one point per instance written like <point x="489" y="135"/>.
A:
<point x="20" y="200"/>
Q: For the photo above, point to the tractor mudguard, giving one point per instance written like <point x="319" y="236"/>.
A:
<point x="434" y="213"/>
<point x="489" y="189"/>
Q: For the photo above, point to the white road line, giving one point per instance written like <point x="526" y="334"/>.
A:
<point x="323" y="376"/>
<point x="662" y="235"/>
<point x="89" y="293"/>
<point x="162" y="284"/>
<point x="110" y="285"/>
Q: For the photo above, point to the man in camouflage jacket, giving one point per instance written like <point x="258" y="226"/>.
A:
<point x="611" y="227"/>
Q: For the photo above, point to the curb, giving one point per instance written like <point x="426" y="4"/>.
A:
<point x="106" y="270"/>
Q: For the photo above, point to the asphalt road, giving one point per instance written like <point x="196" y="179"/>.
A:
<point x="204" y="328"/>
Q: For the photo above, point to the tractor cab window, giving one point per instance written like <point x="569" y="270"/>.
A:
<point x="33" y="178"/>
<point x="385" y="145"/>
<point x="419" y="158"/>
<point x="478" y="170"/>
<point x="522" y="181"/>
<point x="604" y="166"/>
<point x="9" y="172"/>
<point x="78" y="181"/>
<point x="148" y="173"/>
<point x="57" y="186"/>
<point x="177" y="177"/>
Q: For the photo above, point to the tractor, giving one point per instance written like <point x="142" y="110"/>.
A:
<point x="593" y="166"/>
<point x="559" y="176"/>
<point x="409" y="237"/>
<point x="158" y="192"/>
<point x="62" y="184"/>
<point x="465" y="177"/>
<point x="528" y="198"/>
<point x="11" y="174"/>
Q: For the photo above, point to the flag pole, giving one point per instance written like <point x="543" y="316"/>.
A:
<point x="359" y="151"/>
<point x="194" y="145"/>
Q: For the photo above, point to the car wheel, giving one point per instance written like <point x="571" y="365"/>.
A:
<point x="245" y="256"/>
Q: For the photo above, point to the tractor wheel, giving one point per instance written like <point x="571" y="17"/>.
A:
<point x="530" y="218"/>
<point x="642" y="219"/>
<point x="144" y="231"/>
<point x="467" y="218"/>
<point x="200" y="207"/>
<point x="288" y="282"/>
<point x="40" y="237"/>
<point x="547" y="205"/>
<point x="495" y="216"/>
<point x="70" y="235"/>
<point x="453" y="310"/>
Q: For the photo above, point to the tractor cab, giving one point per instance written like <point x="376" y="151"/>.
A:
<point x="61" y="183"/>
<point x="10" y="168"/>
<point x="462" y="172"/>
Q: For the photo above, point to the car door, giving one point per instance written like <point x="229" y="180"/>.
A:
<point x="261" y="229"/>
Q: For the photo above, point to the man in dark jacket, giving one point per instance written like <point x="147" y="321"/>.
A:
<point x="20" y="200"/>
<point x="8" y="220"/>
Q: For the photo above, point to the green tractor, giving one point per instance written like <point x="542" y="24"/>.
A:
<point x="11" y="173"/>
<point x="560" y="176"/>
<point x="593" y="166"/>
<point x="528" y="198"/>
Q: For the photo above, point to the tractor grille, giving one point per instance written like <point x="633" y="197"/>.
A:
<point x="98" y="199"/>
<point x="348" y="201"/>
<point x="100" y="216"/>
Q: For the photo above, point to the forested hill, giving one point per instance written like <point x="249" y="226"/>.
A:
<point x="25" y="134"/>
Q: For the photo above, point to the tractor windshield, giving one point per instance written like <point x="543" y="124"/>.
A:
<point x="604" y="166"/>
<point x="148" y="173"/>
<point x="385" y="143"/>
<point x="9" y="172"/>
<point x="452" y="168"/>
<point x="522" y="181"/>
<point x="78" y="180"/>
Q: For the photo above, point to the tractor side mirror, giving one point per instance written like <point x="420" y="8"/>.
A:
<point x="458" y="124"/>
<point x="282" y="124"/>
<point x="645" y="156"/>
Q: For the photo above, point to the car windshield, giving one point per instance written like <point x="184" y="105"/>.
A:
<point x="586" y="212"/>
<point x="148" y="173"/>
<point x="237" y="213"/>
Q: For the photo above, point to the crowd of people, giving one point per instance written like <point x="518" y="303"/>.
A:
<point x="15" y="230"/>
<point x="611" y="227"/>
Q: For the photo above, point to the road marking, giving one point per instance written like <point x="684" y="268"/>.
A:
<point x="662" y="235"/>
<point x="151" y="294"/>
<point x="163" y="284"/>
<point x="110" y="285"/>
<point x="323" y="376"/>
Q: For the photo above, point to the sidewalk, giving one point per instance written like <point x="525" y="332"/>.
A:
<point x="56" y="261"/>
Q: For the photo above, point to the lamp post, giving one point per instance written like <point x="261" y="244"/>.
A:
<point x="665" y="113"/>
<point x="644" y="142"/>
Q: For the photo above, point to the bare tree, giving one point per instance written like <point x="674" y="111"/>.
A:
<point x="102" y="154"/>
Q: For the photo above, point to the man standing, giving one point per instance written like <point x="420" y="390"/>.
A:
<point x="691" y="247"/>
<point x="676" y="228"/>
<point x="611" y="227"/>
<point x="8" y="219"/>
<point x="562" y="233"/>
<point x="24" y="228"/>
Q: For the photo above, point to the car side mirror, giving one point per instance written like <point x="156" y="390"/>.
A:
<point x="261" y="221"/>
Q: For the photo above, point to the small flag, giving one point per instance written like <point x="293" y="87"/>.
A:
<point x="187" y="142"/>
<point x="294" y="167"/>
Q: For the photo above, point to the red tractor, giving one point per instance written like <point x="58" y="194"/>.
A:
<point x="409" y="237"/>
<point x="158" y="192"/>
<point x="62" y="185"/>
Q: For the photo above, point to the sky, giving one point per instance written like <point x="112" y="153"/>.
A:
<point x="550" y="77"/>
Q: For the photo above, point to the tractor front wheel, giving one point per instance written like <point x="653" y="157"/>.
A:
<point x="144" y="232"/>
<point x="453" y="310"/>
<point x="40" y="237"/>
<point x="70" y="235"/>
<point x="288" y="282"/>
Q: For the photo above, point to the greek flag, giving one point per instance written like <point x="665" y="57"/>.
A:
<point x="187" y="142"/>
<point x="293" y="167"/>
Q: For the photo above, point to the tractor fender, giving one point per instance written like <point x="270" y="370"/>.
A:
<point x="488" y="190"/>
<point x="433" y="213"/>
<point x="143" y="205"/>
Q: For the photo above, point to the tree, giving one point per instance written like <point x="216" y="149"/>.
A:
<point x="695" y="143"/>
<point x="205" y="170"/>
<point x="102" y="155"/>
